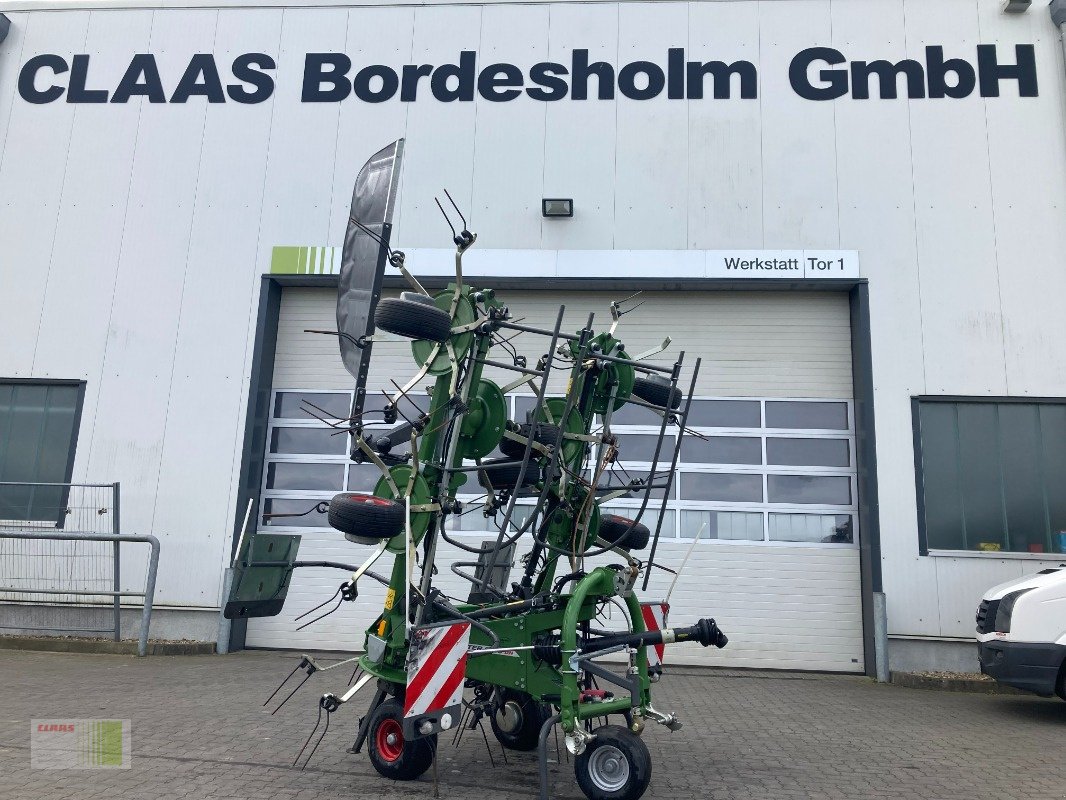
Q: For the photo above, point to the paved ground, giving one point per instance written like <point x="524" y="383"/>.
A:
<point x="198" y="730"/>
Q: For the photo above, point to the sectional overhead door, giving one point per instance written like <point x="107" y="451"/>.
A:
<point x="768" y="485"/>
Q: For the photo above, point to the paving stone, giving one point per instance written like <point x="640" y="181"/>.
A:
<point x="199" y="729"/>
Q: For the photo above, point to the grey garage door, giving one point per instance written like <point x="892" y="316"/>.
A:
<point x="770" y="491"/>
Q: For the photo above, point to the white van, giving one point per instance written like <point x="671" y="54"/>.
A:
<point x="1021" y="632"/>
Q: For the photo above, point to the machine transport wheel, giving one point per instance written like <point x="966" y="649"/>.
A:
<point x="502" y="473"/>
<point x="415" y="316"/>
<point x="543" y="433"/>
<point x="656" y="390"/>
<point x="517" y="722"/>
<point x="365" y="518"/>
<point x="392" y="756"/>
<point x="613" y="527"/>
<point x="616" y="765"/>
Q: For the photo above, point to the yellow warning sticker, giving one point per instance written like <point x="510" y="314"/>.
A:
<point x="390" y="599"/>
<point x="381" y="628"/>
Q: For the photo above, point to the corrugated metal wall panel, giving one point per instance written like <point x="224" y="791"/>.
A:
<point x="753" y="344"/>
<point x="787" y="607"/>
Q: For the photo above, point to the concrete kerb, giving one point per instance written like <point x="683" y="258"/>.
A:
<point x="104" y="646"/>
<point x="976" y="684"/>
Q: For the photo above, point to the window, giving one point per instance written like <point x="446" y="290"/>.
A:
<point x="768" y="471"/>
<point x="307" y="461"/>
<point x="753" y="470"/>
<point x="38" y="431"/>
<point x="762" y="471"/>
<point x="991" y="475"/>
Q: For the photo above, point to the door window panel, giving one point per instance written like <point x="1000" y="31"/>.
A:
<point x="724" y="525"/>
<point x="724" y="487"/>
<point x="721" y="450"/>
<point x="807" y="452"/>
<point x="756" y="469"/>
<point x="305" y="477"/>
<point x="809" y="489"/>
<point x="806" y="415"/>
<point x="821" y="528"/>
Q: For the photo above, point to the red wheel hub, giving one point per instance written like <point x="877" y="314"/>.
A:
<point x="388" y="739"/>
<point x="374" y="500"/>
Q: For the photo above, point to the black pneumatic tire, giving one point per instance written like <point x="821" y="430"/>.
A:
<point x="364" y="518"/>
<point x="391" y="755"/>
<point x="530" y="715"/>
<point x="502" y="473"/>
<point x="657" y="391"/>
<point x="614" y="527"/>
<point x="543" y="433"/>
<point x="616" y="765"/>
<point x="413" y="318"/>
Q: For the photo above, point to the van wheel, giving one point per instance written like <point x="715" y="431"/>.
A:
<point x="1060" y="686"/>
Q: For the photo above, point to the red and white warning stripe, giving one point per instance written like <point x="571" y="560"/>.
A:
<point x="436" y="669"/>
<point x="655" y="614"/>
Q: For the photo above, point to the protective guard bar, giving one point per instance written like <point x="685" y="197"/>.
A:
<point x="149" y="584"/>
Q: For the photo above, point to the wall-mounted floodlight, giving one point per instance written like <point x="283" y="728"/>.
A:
<point x="5" y="26"/>
<point x="1016" y="6"/>
<point x="557" y="206"/>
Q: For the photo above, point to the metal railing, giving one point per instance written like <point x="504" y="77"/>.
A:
<point x="60" y="549"/>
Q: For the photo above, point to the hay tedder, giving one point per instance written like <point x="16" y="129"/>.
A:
<point x="528" y="654"/>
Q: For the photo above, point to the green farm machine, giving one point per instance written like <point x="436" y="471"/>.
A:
<point x="526" y="654"/>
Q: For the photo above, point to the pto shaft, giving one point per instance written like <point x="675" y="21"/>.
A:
<point x="706" y="632"/>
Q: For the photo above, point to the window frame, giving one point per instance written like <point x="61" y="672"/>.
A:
<point x="675" y="505"/>
<point x="919" y="475"/>
<point x="75" y="433"/>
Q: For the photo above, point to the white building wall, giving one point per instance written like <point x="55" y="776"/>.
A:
<point x="133" y="235"/>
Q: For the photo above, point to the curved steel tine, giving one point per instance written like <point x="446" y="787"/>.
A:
<point x="313" y="610"/>
<point x="323" y="616"/>
<point x="435" y="200"/>
<point x="314" y="749"/>
<point x="457" y="211"/>
<point x="325" y="416"/>
<point x="290" y="694"/>
<point x="315" y="507"/>
<point x="317" y="723"/>
<point x="297" y="669"/>
<point x="406" y="396"/>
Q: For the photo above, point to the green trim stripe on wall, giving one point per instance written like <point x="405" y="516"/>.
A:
<point x="305" y="261"/>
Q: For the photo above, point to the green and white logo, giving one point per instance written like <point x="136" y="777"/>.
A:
<point x="80" y="743"/>
<point x="305" y="261"/>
